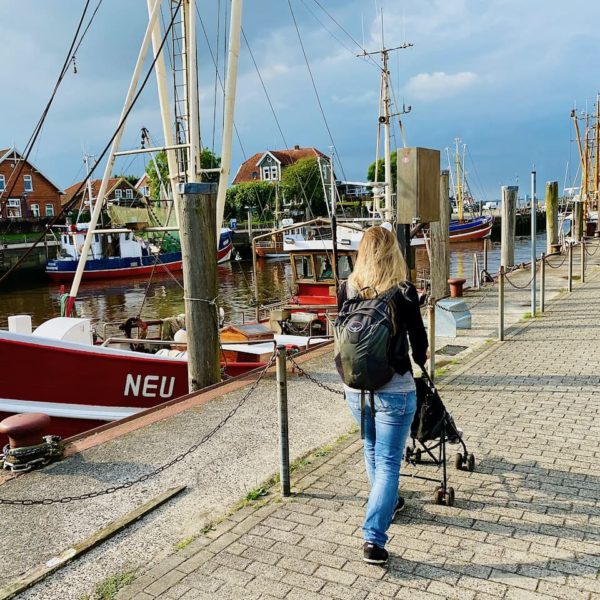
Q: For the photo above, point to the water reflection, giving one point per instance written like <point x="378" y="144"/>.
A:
<point x="118" y="300"/>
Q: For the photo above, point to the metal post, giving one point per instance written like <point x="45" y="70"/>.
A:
<point x="570" y="274"/>
<point x="582" y="278"/>
<point x="501" y="305"/>
<point x="476" y="271"/>
<point x="485" y="254"/>
<point x="543" y="282"/>
<point x="533" y="248"/>
<point x="431" y="331"/>
<point x="282" y="409"/>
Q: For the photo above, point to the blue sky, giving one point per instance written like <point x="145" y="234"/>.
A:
<point x="502" y="75"/>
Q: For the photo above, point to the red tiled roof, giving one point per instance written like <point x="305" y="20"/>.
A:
<point x="71" y="190"/>
<point x="285" y="157"/>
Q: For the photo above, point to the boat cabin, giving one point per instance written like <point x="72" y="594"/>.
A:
<point x="114" y="245"/>
<point x="314" y="269"/>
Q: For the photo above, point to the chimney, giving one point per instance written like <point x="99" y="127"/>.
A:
<point x="296" y="147"/>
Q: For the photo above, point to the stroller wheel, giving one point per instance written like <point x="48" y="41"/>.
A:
<point x="449" y="499"/>
<point x="458" y="461"/>
<point x="407" y="454"/>
<point x="438" y="495"/>
<point x="417" y="455"/>
<point x="471" y="462"/>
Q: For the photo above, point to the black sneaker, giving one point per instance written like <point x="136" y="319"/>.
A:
<point x="374" y="555"/>
<point x="398" y="508"/>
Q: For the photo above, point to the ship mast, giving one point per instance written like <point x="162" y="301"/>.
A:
<point x="459" y="186"/>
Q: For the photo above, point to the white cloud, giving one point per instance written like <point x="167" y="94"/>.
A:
<point x="438" y="85"/>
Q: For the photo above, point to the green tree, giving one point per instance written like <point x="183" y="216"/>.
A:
<point x="301" y="183"/>
<point x="132" y="179"/>
<point x="259" y="195"/>
<point x="381" y="169"/>
<point x="208" y="160"/>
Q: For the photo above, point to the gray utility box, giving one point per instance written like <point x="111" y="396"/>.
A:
<point x="418" y="195"/>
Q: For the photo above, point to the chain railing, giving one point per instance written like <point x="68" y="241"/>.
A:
<point x="156" y="471"/>
<point x="559" y="265"/>
<point x="308" y="376"/>
<point x="488" y="290"/>
<point x="526" y="285"/>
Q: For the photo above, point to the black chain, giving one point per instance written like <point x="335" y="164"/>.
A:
<point x="591" y="253"/>
<point x="562" y="262"/>
<point x="311" y="378"/>
<point x="151" y="474"/>
<point x="522" y="287"/>
<point x="469" y="306"/>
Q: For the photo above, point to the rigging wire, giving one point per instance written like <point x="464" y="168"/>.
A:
<point x="106" y="149"/>
<point x="326" y="28"/>
<point x="7" y="192"/>
<point x="214" y="127"/>
<point x="314" y="85"/>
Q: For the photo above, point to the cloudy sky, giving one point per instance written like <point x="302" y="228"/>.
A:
<point x="502" y="75"/>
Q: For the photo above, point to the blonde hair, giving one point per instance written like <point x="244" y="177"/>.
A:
<point x="379" y="263"/>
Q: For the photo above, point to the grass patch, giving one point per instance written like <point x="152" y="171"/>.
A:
<point x="184" y="543"/>
<point x="255" y="494"/>
<point x="440" y="372"/>
<point x="108" y="589"/>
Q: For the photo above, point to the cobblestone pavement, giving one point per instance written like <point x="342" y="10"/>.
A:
<point x="526" y="524"/>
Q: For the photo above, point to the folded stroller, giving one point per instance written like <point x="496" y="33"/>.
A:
<point x="432" y="428"/>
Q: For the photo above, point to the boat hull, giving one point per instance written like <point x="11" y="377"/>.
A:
<point x="61" y="270"/>
<point x="81" y="387"/>
<point x="465" y="231"/>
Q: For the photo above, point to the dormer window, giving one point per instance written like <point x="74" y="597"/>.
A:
<point x="129" y="194"/>
<point x="118" y="194"/>
<point x="274" y="174"/>
<point x="266" y="173"/>
<point x="28" y="183"/>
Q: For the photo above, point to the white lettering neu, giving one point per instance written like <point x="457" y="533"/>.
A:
<point x="150" y="386"/>
<point x="132" y="385"/>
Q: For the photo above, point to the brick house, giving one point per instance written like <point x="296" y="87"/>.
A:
<point x="119" y="192"/>
<point x="269" y="165"/>
<point x="25" y="192"/>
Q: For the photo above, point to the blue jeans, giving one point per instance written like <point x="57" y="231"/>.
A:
<point x="385" y="438"/>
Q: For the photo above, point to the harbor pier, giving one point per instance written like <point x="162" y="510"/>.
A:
<point x="524" y="524"/>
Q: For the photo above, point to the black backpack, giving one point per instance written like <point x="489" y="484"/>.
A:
<point x="364" y="332"/>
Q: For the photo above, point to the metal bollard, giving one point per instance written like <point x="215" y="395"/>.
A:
<point x="582" y="266"/>
<point x="431" y="331"/>
<point x="485" y="254"/>
<point x="501" y="305"/>
<point x="543" y="282"/>
<point x="282" y="409"/>
<point x="570" y="271"/>
<point x="476" y="274"/>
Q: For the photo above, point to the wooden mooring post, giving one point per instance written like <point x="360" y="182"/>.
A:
<point x="509" y="220"/>
<point x="552" y="240"/>
<point x="197" y="210"/>
<point x="440" y="243"/>
<point x="577" y="223"/>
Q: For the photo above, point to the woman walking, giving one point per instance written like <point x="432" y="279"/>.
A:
<point x="380" y="268"/>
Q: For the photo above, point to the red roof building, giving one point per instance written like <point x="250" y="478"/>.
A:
<point x="25" y="192"/>
<point x="119" y="191"/>
<point x="269" y="165"/>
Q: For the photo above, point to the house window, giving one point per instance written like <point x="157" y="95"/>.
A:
<point x="146" y="190"/>
<point x="266" y="173"/>
<point x="35" y="210"/>
<point x="274" y="174"/>
<point x="2" y="183"/>
<point x="14" y="208"/>
<point x="49" y="210"/>
<point x="28" y="183"/>
<point x="118" y="194"/>
<point x="129" y="194"/>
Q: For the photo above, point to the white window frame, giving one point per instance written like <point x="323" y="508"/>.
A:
<point x="118" y="194"/>
<point x="13" y="205"/>
<point x="35" y="209"/>
<point x="49" y="213"/>
<point x="2" y="183"/>
<point x="266" y="173"/>
<point x="28" y="183"/>
<point x="274" y="173"/>
<point x="129" y="194"/>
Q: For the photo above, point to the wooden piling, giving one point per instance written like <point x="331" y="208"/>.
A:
<point x="197" y="210"/>
<point x="577" y="221"/>
<point x="440" y="246"/>
<point x="509" y="220"/>
<point x="551" y="216"/>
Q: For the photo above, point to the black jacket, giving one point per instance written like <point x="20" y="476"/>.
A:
<point x="409" y="320"/>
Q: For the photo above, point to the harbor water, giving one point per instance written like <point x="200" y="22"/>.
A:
<point x="115" y="301"/>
